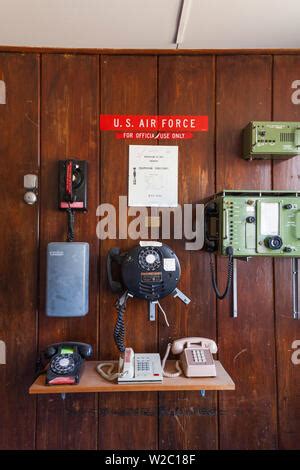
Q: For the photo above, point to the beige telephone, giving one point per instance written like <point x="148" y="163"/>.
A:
<point x="195" y="357"/>
<point x="133" y="368"/>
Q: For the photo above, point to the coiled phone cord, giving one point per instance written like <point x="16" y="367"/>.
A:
<point x="109" y="375"/>
<point x="119" y="335"/>
<point x="170" y="374"/>
<point x="71" y="221"/>
<point x="229" y="252"/>
<point x="119" y="331"/>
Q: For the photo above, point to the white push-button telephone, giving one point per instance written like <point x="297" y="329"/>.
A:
<point x="195" y="357"/>
<point x="140" y="368"/>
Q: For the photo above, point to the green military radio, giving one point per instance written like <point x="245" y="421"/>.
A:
<point x="265" y="140"/>
<point x="243" y="224"/>
<point x="254" y="223"/>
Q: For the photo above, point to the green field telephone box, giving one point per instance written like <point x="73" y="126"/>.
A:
<point x="253" y="223"/>
<point x="265" y="140"/>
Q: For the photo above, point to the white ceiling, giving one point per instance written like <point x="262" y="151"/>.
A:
<point x="150" y="24"/>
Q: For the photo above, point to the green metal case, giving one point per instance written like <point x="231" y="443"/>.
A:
<point x="254" y="223"/>
<point x="266" y="140"/>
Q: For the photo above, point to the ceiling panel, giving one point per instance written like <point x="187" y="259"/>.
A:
<point x="150" y="24"/>
<point x="222" y="24"/>
<point x="89" y="23"/>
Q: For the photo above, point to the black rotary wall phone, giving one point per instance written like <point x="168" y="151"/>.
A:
<point x="149" y="271"/>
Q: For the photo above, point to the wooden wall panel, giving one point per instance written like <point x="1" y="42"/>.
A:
<point x="286" y="175"/>
<point x="70" y="117"/>
<point x="186" y="87"/>
<point x="19" y="155"/>
<point x="70" y="108"/>
<point x="127" y="421"/>
<point x="246" y="344"/>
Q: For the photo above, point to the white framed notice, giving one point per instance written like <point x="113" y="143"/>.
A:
<point x="153" y="176"/>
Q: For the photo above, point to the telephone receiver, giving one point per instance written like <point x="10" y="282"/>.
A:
<point x="126" y="364"/>
<point x="210" y="212"/>
<point x="179" y="344"/>
<point x="85" y="350"/>
<point x="73" y="179"/>
<point x="114" y="255"/>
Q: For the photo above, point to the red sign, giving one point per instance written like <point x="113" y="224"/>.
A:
<point x="136" y="123"/>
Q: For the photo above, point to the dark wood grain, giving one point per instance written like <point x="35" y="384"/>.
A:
<point x="19" y="154"/>
<point x="246" y="344"/>
<point x="128" y="86"/>
<point x="69" y="129"/>
<point x="186" y="86"/>
<point x="286" y="175"/>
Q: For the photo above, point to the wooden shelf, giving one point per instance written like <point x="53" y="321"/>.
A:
<point x="91" y="381"/>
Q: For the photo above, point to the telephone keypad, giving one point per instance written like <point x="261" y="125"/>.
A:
<point x="143" y="366"/>
<point x="198" y="362"/>
<point x="199" y="356"/>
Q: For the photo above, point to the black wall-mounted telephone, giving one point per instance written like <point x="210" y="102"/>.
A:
<point x="66" y="362"/>
<point x="73" y="184"/>
<point x="149" y="271"/>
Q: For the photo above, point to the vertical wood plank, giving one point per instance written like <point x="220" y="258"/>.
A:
<point x="127" y="421"/>
<point x="19" y="154"/>
<point x="69" y="129"/>
<point x="186" y="87"/>
<point x="246" y="344"/>
<point x="286" y="175"/>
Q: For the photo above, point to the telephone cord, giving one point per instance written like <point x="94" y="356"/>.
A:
<point x="220" y="295"/>
<point x="109" y="375"/>
<point x="163" y="364"/>
<point x="119" y="331"/>
<point x="164" y="313"/>
<point x="71" y="221"/>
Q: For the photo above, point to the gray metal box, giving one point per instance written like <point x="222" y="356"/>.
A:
<point x="67" y="286"/>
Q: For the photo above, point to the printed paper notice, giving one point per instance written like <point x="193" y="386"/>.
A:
<point x="153" y="176"/>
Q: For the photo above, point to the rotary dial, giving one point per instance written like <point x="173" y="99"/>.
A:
<point x="63" y="364"/>
<point x="149" y="259"/>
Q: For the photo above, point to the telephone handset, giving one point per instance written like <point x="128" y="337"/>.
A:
<point x="126" y="365"/>
<point x="134" y="368"/>
<point x="196" y="358"/>
<point x="66" y="362"/>
<point x="114" y="254"/>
